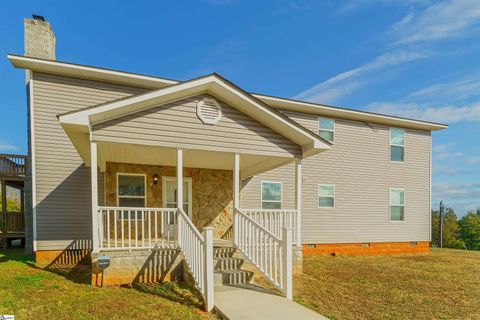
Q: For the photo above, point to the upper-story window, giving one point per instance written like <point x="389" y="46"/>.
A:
<point x="271" y="195"/>
<point x="397" y="144"/>
<point x="326" y="129"/>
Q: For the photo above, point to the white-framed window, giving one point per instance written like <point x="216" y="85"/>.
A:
<point x="326" y="196"/>
<point x="326" y="128"/>
<point x="397" y="204"/>
<point x="271" y="195"/>
<point x="131" y="190"/>
<point x="397" y="144"/>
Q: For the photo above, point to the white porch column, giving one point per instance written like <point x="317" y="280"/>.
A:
<point x="94" y="181"/>
<point x="298" y="201"/>
<point x="180" y="179"/>
<point x="236" y="195"/>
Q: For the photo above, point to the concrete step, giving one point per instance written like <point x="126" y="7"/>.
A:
<point x="228" y="263"/>
<point x="232" y="277"/>
<point x="223" y="252"/>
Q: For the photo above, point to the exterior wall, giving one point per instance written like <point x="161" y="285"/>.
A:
<point x="142" y="266"/>
<point x="359" y="166"/>
<point x="212" y="203"/>
<point x="177" y="125"/>
<point x="63" y="205"/>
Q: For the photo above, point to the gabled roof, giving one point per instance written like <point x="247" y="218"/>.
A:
<point x="213" y="84"/>
<point x="151" y="82"/>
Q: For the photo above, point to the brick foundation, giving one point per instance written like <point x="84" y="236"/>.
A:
<point x="371" y="248"/>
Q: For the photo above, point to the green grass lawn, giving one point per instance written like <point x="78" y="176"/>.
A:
<point x="442" y="285"/>
<point x="31" y="293"/>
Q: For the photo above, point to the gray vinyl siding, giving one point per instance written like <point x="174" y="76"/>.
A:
<point x="63" y="189"/>
<point x="177" y="125"/>
<point x="359" y="166"/>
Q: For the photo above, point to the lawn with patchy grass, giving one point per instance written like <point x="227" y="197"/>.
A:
<point x="442" y="285"/>
<point x="31" y="293"/>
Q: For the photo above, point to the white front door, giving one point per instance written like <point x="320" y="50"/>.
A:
<point x="169" y="194"/>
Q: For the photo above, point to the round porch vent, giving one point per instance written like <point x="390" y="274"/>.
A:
<point x="209" y="111"/>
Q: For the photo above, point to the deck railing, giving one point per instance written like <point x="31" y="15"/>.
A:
<point x="130" y="228"/>
<point x="13" y="165"/>
<point x="274" y="220"/>
<point x="12" y="222"/>
<point x="272" y="255"/>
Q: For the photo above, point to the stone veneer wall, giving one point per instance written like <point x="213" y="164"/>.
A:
<point x="212" y="203"/>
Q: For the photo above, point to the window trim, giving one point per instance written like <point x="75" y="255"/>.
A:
<point x="189" y="181"/>
<point x="132" y="197"/>
<point x="332" y="130"/>
<point x="396" y="145"/>
<point x="274" y="201"/>
<point x="318" y="195"/>
<point x="390" y="205"/>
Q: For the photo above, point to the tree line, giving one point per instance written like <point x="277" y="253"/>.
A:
<point x="463" y="233"/>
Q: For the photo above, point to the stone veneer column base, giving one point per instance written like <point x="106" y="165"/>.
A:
<point x="138" y="266"/>
<point x="370" y="248"/>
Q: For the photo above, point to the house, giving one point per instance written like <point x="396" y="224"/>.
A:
<point x="163" y="175"/>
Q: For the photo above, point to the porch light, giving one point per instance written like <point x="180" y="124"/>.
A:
<point x="155" y="179"/>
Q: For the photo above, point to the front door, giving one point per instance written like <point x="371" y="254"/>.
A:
<point x="169" y="194"/>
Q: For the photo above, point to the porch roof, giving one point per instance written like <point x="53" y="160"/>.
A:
<point x="78" y="124"/>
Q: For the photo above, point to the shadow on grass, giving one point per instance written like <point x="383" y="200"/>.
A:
<point x="173" y="291"/>
<point x="72" y="266"/>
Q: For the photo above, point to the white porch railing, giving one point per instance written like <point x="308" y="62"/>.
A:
<point x="271" y="254"/>
<point x="198" y="253"/>
<point x="131" y="228"/>
<point x="274" y="220"/>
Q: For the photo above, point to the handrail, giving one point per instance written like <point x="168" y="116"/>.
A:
<point x="275" y="220"/>
<point x="272" y="255"/>
<point x="198" y="253"/>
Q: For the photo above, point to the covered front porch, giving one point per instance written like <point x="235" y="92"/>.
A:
<point x="138" y="201"/>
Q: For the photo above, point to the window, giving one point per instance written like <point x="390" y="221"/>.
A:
<point x="326" y="196"/>
<point x="397" y="205"/>
<point x="326" y="128"/>
<point x="131" y="190"/>
<point x="397" y="144"/>
<point x="271" y="195"/>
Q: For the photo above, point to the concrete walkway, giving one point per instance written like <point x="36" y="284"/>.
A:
<point x="251" y="303"/>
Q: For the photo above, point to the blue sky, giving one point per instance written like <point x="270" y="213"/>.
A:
<point x="413" y="58"/>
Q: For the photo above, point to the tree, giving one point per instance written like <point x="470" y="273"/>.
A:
<point x="452" y="237"/>
<point x="470" y="230"/>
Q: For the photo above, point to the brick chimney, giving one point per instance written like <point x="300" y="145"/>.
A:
<point x="39" y="38"/>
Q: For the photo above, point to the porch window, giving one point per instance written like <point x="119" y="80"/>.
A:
<point x="131" y="190"/>
<point x="326" y="129"/>
<point x="271" y="195"/>
<point x="397" y="205"/>
<point x="326" y="196"/>
<point x="397" y="144"/>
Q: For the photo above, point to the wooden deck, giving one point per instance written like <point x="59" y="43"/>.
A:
<point x="13" y="169"/>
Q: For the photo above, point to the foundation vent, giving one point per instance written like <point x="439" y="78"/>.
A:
<point x="209" y="111"/>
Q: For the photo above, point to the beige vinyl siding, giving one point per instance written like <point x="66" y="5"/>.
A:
<point x="359" y="166"/>
<point x="177" y="125"/>
<point x="63" y="189"/>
